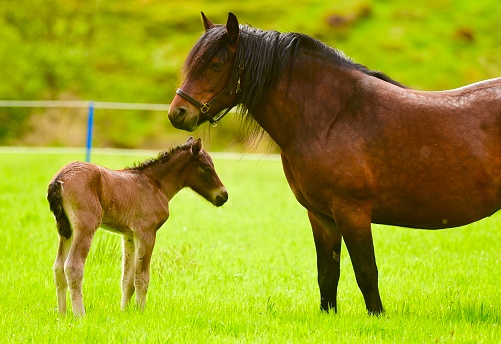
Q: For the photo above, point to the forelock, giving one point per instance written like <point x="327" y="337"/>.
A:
<point x="213" y="42"/>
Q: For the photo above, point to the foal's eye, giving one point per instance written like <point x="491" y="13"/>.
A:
<point x="206" y="169"/>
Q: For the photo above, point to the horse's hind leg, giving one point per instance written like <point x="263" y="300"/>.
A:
<point x="145" y="241"/>
<point x="74" y="266"/>
<point x="59" y="276"/>
<point x="129" y="263"/>
<point x="328" y="244"/>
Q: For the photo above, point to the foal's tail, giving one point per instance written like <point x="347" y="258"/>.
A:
<point x="55" y="198"/>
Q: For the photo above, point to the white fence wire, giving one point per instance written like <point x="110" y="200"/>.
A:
<point x="90" y="105"/>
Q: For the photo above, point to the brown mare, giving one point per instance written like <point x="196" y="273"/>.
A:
<point x="357" y="147"/>
<point x="133" y="202"/>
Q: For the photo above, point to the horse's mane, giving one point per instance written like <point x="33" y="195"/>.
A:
<point x="162" y="158"/>
<point x="265" y="56"/>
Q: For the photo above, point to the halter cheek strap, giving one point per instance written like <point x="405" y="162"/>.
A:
<point x="205" y="107"/>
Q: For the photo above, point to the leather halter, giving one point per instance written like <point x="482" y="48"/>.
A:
<point x="205" y="107"/>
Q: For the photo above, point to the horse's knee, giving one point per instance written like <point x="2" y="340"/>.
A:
<point x="141" y="282"/>
<point x="74" y="273"/>
<point x="367" y="281"/>
<point x="58" y="270"/>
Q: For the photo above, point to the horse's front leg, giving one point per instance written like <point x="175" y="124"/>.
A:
<point x="59" y="276"/>
<point x="128" y="262"/>
<point x="328" y="245"/>
<point x="354" y="222"/>
<point x="144" y="241"/>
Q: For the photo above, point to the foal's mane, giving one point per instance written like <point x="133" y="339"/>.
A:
<point x="162" y="158"/>
<point x="265" y="56"/>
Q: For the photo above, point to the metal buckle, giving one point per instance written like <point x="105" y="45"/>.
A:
<point x="204" y="108"/>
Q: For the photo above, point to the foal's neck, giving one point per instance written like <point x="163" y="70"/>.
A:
<point x="168" y="176"/>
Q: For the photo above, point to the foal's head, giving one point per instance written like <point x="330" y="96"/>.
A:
<point x="201" y="177"/>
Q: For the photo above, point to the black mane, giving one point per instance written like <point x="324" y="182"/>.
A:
<point x="264" y="55"/>
<point x="162" y="158"/>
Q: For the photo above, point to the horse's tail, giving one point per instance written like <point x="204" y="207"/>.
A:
<point x="55" y="198"/>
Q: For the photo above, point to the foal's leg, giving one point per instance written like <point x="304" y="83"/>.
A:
<point x="328" y="244"/>
<point x="59" y="276"/>
<point x="355" y="226"/>
<point x="74" y="267"/>
<point x="128" y="261"/>
<point x="144" y="241"/>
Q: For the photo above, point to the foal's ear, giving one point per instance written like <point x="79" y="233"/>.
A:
<point x="197" y="146"/>
<point x="232" y="29"/>
<point x="207" y="23"/>
<point x="190" y="140"/>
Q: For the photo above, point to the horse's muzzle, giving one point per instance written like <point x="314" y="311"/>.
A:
<point x="221" y="198"/>
<point x="179" y="119"/>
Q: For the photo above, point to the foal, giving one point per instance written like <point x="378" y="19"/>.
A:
<point x="133" y="202"/>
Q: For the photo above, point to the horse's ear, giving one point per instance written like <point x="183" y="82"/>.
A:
<point x="232" y="29"/>
<point x="207" y="23"/>
<point x="190" y="140"/>
<point x="197" y="146"/>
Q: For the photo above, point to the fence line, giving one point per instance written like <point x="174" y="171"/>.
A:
<point x="134" y="152"/>
<point x="84" y="104"/>
<point x="90" y="105"/>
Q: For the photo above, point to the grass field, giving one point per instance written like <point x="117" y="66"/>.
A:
<point x="245" y="272"/>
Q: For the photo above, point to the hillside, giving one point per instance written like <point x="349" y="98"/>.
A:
<point x="132" y="51"/>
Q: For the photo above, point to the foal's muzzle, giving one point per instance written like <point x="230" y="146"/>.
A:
<point x="221" y="198"/>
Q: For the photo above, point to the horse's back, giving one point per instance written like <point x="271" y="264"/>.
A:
<point x="482" y="99"/>
<point x="494" y="84"/>
<point x="76" y="168"/>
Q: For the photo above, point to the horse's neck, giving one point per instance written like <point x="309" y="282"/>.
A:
<point x="306" y="101"/>
<point x="168" y="177"/>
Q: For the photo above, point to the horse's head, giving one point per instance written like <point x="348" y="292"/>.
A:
<point x="212" y="82"/>
<point x="201" y="177"/>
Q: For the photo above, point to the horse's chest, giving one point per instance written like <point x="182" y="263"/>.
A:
<point x="321" y="183"/>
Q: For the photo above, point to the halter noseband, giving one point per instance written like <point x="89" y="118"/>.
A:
<point x="204" y="107"/>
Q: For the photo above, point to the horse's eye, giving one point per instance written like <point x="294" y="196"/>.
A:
<point x="206" y="169"/>
<point x="217" y="66"/>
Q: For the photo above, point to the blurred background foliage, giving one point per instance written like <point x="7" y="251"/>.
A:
<point x="133" y="50"/>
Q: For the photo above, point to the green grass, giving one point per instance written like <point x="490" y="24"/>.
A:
<point x="245" y="272"/>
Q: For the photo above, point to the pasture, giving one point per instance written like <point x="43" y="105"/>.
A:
<point x="245" y="272"/>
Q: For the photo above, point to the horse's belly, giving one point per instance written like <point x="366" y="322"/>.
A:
<point x="451" y="186"/>
<point x="437" y="211"/>
<point x="117" y="228"/>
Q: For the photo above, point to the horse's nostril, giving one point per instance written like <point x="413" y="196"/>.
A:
<point x="177" y="114"/>
<point x="181" y="113"/>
